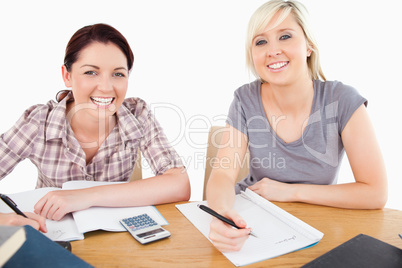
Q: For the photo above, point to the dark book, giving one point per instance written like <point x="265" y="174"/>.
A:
<point x="360" y="251"/>
<point x="11" y="240"/>
<point x="37" y="250"/>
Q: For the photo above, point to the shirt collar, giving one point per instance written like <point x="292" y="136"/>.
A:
<point x="129" y="126"/>
<point x="56" y="124"/>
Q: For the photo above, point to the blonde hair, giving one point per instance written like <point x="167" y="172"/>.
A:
<point x="264" y="14"/>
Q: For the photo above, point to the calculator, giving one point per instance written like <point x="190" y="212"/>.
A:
<point x="144" y="229"/>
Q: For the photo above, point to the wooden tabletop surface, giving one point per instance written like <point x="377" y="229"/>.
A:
<point x="187" y="247"/>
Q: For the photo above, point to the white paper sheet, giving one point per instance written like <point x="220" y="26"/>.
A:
<point x="278" y="232"/>
<point x="73" y="226"/>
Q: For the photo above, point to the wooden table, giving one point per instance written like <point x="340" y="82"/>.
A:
<point x="187" y="247"/>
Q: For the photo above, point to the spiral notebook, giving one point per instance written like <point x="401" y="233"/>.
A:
<point x="278" y="231"/>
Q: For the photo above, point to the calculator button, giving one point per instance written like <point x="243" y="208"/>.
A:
<point x="139" y="222"/>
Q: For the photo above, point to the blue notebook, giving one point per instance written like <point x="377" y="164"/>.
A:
<point x="40" y="251"/>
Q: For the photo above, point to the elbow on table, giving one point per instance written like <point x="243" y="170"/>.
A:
<point x="379" y="199"/>
<point x="184" y="192"/>
<point x="382" y="193"/>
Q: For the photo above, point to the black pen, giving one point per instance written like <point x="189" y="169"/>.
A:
<point x="12" y="204"/>
<point x="215" y="214"/>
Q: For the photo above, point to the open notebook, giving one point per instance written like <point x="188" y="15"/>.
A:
<point x="74" y="225"/>
<point x="278" y="232"/>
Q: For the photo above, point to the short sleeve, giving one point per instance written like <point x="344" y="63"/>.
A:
<point x="349" y="101"/>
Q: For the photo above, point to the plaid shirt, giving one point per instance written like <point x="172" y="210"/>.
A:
<point x="44" y="135"/>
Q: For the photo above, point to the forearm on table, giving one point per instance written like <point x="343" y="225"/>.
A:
<point x="167" y="188"/>
<point x="356" y="195"/>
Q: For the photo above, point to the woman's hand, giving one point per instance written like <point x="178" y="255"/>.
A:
<point x="36" y="221"/>
<point x="56" y="204"/>
<point x="226" y="238"/>
<point x="273" y="190"/>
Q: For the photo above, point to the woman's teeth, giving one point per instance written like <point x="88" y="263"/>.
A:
<point x="277" y="65"/>
<point x="102" y="101"/>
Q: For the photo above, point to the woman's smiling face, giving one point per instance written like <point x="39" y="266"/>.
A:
<point x="280" y="52"/>
<point x="99" y="79"/>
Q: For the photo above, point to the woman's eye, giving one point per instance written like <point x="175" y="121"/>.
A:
<point x="284" y="37"/>
<point x="119" y="75"/>
<point x="260" y="42"/>
<point x="90" y="73"/>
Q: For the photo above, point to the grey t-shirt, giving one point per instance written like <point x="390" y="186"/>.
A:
<point x="316" y="156"/>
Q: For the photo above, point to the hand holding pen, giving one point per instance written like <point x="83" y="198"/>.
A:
<point x="227" y="238"/>
<point x="34" y="220"/>
<point x="222" y="218"/>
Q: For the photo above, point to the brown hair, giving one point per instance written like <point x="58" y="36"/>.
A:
<point x="102" y="33"/>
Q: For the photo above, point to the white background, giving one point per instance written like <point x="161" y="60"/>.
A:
<point x="190" y="54"/>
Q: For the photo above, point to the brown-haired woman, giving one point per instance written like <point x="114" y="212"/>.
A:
<point x="93" y="133"/>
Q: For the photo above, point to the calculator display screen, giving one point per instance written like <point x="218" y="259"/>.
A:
<point x="150" y="233"/>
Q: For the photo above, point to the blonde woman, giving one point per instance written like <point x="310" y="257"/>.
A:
<point x="296" y="126"/>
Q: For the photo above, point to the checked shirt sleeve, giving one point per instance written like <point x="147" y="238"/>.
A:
<point x="155" y="146"/>
<point x="16" y="144"/>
